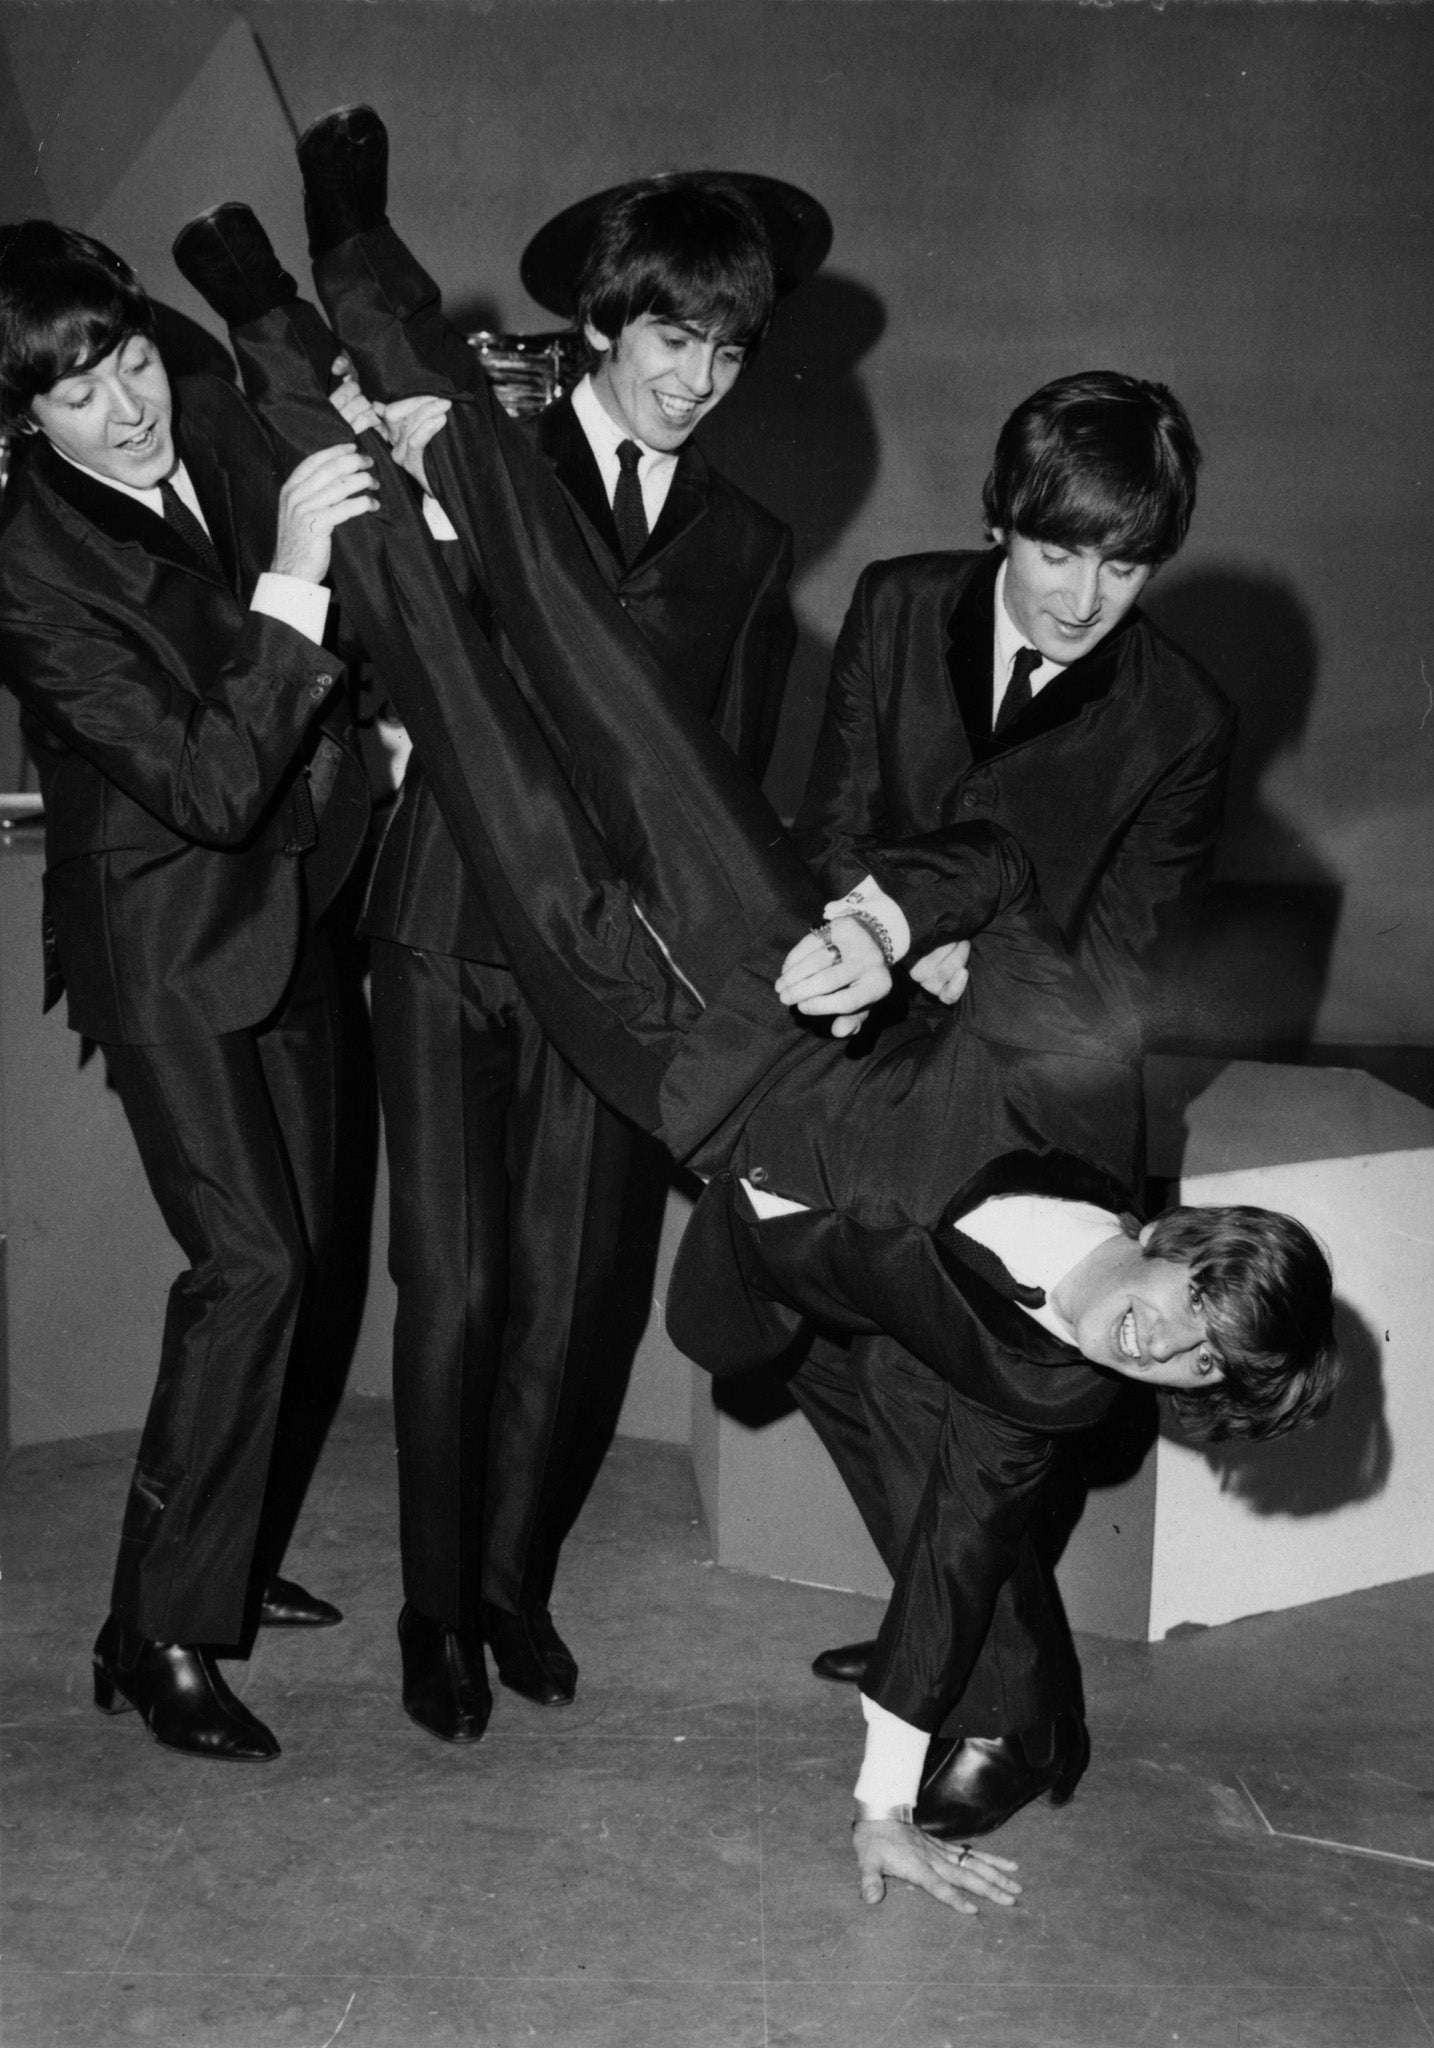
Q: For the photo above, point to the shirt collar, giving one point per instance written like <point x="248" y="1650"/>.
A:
<point x="1010" y="640"/>
<point x="150" y="499"/>
<point x="1039" y="1239"/>
<point x="604" y="434"/>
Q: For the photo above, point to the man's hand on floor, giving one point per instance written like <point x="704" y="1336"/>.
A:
<point x="894" y="1848"/>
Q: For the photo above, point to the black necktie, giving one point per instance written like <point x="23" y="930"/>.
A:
<point x="178" y="515"/>
<point x="1018" y="690"/>
<point x="628" y="510"/>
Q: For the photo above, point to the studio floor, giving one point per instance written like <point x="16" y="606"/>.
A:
<point x="665" y="1864"/>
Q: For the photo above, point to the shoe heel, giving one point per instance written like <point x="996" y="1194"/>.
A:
<point x="107" y="1698"/>
<point x="1074" y="1771"/>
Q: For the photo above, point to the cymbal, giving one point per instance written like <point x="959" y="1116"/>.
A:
<point x="798" y="228"/>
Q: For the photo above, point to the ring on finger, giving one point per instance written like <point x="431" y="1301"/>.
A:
<point x="824" y="933"/>
<point x="964" y="1856"/>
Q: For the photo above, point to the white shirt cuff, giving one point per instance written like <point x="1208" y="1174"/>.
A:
<point x="895" y="1757"/>
<point x="299" y="603"/>
<point x="767" y="1204"/>
<point x="439" y="523"/>
<point x="867" y="896"/>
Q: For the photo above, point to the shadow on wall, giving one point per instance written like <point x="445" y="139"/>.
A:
<point x="798" y="432"/>
<point x="1345" y="1458"/>
<point x="1256" y="967"/>
<point x="189" y="350"/>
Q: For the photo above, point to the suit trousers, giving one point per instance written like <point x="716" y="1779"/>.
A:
<point x="906" y="1447"/>
<point x="236" y="1133"/>
<point x="506" y="1180"/>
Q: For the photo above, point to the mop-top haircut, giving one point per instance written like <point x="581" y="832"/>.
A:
<point x="66" y="302"/>
<point x="1099" y="460"/>
<point x="689" y="247"/>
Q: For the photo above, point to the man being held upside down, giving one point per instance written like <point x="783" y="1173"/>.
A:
<point x="649" y="900"/>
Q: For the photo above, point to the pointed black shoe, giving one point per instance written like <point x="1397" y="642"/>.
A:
<point x="181" y="1698"/>
<point x="531" y="1656"/>
<point x="344" y="160"/>
<point x="228" y="258"/>
<point x="846" y="1664"/>
<point x="286" y="1605"/>
<point x="976" y="1784"/>
<point x="445" y="1680"/>
<point x="551" y="1647"/>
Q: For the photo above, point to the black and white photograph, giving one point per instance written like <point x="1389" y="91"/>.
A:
<point x="716" y="1023"/>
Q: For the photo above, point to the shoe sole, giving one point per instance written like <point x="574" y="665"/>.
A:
<point x="457" y="1740"/>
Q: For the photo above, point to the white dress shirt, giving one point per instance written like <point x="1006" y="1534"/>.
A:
<point x="656" y="467"/>
<point x="1008" y="641"/>
<point x="292" y="599"/>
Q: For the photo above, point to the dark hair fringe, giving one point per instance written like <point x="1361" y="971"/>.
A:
<point x="691" y="248"/>
<point x="66" y="302"/>
<point x="1096" y="460"/>
<point x="1268" y="1297"/>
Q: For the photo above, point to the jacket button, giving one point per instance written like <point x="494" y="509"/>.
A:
<point x="970" y="799"/>
<point x="758" y="1176"/>
<point x="320" y="687"/>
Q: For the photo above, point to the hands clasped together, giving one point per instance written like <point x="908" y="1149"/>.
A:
<point x="839" y="971"/>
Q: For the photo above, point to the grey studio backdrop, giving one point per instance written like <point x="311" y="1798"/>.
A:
<point x="1234" y="199"/>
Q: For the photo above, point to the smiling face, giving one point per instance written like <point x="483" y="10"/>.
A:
<point x="661" y="376"/>
<point x="116" y="417"/>
<point x="1139" y="1317"/>
<point x="1065" y="600"/>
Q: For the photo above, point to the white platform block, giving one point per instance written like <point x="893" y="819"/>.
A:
<point x="1347" y="1504"/>
<point x="1202" y="1536"/>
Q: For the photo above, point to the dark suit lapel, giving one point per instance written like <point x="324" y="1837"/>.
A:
<point x="993" y="1295"/>
<point x="562" y="440"/>
<point x="215" y="487"/>
<point x="969" y="656"/>
<point x="685" y="504"/>
<point x="1026" y="1172"/>
<point x="969" y="641"/>
<point x="121" y="519"/>
<point x="1066" y="696"/>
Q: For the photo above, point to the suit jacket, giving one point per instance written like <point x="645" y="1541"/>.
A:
<point x="1027" y="1088"/>
<point x="194" y="756"/>
<point x="708" y="594"/>
<point x="1112" y="780"/>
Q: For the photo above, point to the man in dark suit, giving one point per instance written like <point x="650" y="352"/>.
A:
<point x="506" y="1174"/>
<point x="1022" y="686"/>
<point x="647" y="898"/>
<point x="202" y="805"/>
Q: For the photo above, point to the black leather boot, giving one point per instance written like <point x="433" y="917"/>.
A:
<point x="344" y="160"/>
<point x="976" y="1784"/>
<point x="283" y="1604"/>
<point x="445" y="1680"/>
<point x="531" y="1656"/>
<point x="846" y="1664"/>
<point x="228" y="258"/>
<point x="181" y="1697"/>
